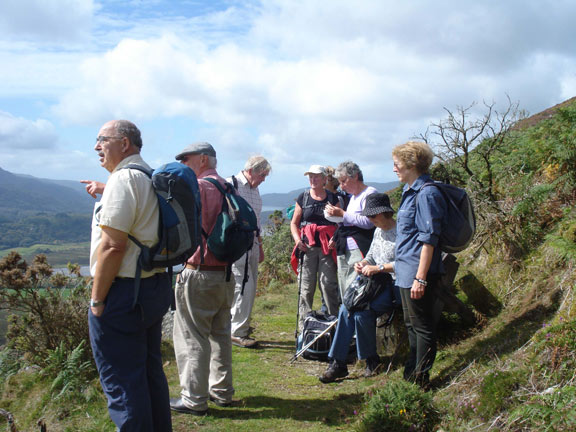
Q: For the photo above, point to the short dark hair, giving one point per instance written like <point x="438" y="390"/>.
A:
<point x="129" y="130"/>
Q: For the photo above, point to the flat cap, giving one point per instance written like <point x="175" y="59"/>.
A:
<point x="197" y="148"/>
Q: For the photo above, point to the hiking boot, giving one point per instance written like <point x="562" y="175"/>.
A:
<point x="244" y="342"/>
<point x="333" y="372"/>
<point x="372" y="366"/>
<point x="423" y="380"/>
<point x="219" y="402"/>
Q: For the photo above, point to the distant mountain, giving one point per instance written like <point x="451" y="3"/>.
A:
<point x="24" y="195"/>
<point x="284" y="200"/>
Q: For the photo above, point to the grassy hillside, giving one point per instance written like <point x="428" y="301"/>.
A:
<point x="512" y="371"/>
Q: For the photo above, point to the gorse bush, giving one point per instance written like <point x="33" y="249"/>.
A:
<point x="278" y="246"/>
<point x="399" y="406"/>
<point x="49" y="311"/>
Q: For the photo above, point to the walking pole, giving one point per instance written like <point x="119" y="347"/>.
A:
<point x="300" y="261"/>
<point x="309" y="344"/>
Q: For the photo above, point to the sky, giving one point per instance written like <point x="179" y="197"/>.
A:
<point x="300" y="82"/>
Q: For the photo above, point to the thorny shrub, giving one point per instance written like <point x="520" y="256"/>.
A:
<point x="399" y="406"/>
<point x="278" y="246"/>
<point x="48" y="310"/>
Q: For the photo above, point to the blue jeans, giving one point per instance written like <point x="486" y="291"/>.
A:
<point x="364" y="324"/>
<point x="126" y="347"/>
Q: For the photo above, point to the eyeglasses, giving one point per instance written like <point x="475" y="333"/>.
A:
<point x="371" y="216"/>
<point x="102" y="138"/>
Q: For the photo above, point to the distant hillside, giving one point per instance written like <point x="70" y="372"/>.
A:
<point x="25" y="195"/>
<point x="34" y="211"/>
<point x="284" y="200"/>
<point x="543" y="115"/>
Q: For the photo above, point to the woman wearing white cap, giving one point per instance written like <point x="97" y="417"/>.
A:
<point x="312" y="232"/>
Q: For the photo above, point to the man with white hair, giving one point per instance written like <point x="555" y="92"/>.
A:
<point x="246" y="183"/>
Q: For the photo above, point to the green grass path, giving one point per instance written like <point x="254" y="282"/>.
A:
<point x="272" y="394"/>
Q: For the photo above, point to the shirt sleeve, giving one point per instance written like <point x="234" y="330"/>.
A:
<point x="119" y="202"/>
<point x="430" y="209"/>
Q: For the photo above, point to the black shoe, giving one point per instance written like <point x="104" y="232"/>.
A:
<point x="220" y="403"/>
<point x="423" y="380"/>
<point x="178" y="406"/>
<point x="333" y="372"/>
<point x="372" y="366"/>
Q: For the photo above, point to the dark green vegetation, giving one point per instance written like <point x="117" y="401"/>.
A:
<point x="35" y="211"/>
<point x="44" y="229"/>
<point x="511" y="371"/>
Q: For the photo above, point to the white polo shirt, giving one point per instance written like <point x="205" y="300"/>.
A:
<point x="128" y="204"/>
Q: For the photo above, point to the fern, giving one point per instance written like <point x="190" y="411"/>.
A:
<point x="70" y="369"/>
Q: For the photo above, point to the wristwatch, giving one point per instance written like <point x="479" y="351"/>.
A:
<point x="96" y="303"/>
<point x="381" y="267"/>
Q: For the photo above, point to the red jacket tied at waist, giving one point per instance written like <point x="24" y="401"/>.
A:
<point x="325" y="233"/>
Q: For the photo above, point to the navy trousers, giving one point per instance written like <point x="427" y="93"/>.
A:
<point x="126" y="347"/>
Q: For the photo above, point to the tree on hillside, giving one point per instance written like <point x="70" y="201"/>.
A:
<point x="469" y="148"/>
<point x="460" y="133"/>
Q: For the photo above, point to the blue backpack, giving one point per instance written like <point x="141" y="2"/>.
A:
<point x="459" y="223"/>
<point x="180" y="227"/>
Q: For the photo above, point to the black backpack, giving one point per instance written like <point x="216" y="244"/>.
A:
<point x="363" y="290"/>
<point x="459" y="222"/>
<point x="314" y="324"/>
<point x="235" y="228"/>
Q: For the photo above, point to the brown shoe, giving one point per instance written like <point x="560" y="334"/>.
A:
<point x="334" y="372"/>
<point x="244" y="342"/>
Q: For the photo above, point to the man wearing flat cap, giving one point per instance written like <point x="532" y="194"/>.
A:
<point x="202" y="330"/>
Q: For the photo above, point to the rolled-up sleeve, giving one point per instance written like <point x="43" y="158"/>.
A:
<point x="429" y="214"/>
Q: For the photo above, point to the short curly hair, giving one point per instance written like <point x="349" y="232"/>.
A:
<point x="414" y="154"/>
<point x="349" y="169"/>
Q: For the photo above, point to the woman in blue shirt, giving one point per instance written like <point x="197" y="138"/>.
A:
<point x="418" y="259"/>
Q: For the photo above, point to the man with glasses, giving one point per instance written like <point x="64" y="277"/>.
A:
<point x="246" y="183"/>
<point x="125" y="339"/>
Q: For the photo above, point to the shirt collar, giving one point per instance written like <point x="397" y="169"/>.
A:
<point x="208" y="172"/>
<point x="242" y="178"/>
<point x="135" y="159"/>
<point x="418" y="183"/>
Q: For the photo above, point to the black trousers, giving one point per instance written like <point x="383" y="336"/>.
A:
<point x="420" y="320"/>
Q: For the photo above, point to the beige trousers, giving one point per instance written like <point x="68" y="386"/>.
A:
<point x="202" y="337"/>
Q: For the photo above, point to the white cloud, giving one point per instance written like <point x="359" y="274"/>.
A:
<point x="19" y="134"/>
<point x="46" y="20"/>
<point x="299" y="81"/>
